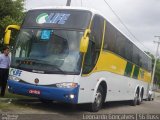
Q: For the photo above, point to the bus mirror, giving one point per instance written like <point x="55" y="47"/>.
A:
<point x="84" y="44"/>
<point x="8" y="33"/>
<point x="7" y="37"/>
<point x="17" y="27"/>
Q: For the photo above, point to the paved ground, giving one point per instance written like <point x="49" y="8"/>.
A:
<point x="33" y="109"/>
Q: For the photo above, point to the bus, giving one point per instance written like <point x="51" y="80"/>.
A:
<point x="76" y="56"/>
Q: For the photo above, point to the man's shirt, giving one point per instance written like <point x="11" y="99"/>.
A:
<point x="4" y="61"/>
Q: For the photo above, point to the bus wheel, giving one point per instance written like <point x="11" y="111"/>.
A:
<point x="150" y="98"/>
<point x="135" y="100"/>
<point x="96" y="106"/>
<point x="140" y="98"/>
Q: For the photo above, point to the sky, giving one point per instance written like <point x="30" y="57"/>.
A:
<point x="141" y="17"/>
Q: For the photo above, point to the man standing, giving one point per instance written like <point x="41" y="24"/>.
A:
<point x="4" y="69"/>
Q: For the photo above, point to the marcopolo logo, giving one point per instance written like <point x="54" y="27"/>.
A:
<point x="54" y="18"/>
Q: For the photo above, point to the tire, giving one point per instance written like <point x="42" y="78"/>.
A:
<point x="98" y="101"/>
<point x="149" y="98"/>
<point x="135" y="100"/>
<point x="140" y="99"/>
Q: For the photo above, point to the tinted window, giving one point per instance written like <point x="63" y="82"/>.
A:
<point x="135" y="57"/>
<point x="141" y="59"/>
<point x="116" y="42"/>
<point x="75" y="19"/>
<point x="97" y="31"/>
<point x="120" y="44"/>
<point x="128" y="50"/>
<point x="95" y="42"/>
<point x="146" y="62"/>
<point x="110" y="38"/>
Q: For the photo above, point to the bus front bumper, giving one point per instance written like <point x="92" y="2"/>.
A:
<point x="67" y="95"/>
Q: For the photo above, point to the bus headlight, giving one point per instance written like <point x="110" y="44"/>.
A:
<point x="67" y="85"/>
<point x="72" y="96"/>
<point x="11" y="77"/>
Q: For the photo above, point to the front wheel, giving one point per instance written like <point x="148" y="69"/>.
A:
<point x="98" y="101"/>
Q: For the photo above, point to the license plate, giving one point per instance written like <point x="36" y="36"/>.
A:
<point x="36" y="92"/>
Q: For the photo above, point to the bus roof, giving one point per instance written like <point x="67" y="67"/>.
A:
<point x="66" y="7"/>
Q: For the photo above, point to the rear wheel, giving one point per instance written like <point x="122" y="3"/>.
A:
<point x="135" y="100"/>
<point x="140" y="98"/>
<point x="149" y="97"/>
<point x="98" y="101"/>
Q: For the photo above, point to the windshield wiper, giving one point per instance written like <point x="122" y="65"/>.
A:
<point x="40" y="62"/>
<point x="55" y="66"/>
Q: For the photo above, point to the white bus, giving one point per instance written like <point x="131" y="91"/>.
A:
<point x="76" y="56"/>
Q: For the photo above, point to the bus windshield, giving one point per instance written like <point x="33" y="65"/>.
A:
<point x="48" y="51"/>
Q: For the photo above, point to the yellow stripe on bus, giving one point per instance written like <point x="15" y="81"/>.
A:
<point x="110" y="62"/>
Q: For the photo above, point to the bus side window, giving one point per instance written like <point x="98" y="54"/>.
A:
<point x="95" y="43"/>
<point x="89" y="57"/>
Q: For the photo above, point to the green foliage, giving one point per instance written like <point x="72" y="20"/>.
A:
<point x="11" y="12"/>
<point x="157" y="71"/>
<point x="152" y="56"/>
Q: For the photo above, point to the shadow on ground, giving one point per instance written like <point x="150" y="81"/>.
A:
<point x="63" y="107"/>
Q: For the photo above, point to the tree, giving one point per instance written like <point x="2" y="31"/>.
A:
<point x="11" y="12"/>
<point x="157" y="71"/>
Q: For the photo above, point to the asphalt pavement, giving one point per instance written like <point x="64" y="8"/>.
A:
<point x="33" y="109"/>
